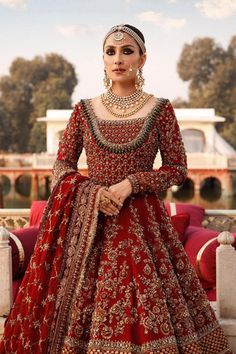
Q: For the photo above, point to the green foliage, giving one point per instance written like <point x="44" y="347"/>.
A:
<point x="211" y="72"/>
<point x="198" y="61"/>
<point x="179" y="103"/>
<point x="37" y="141"/>
<point x="5" y="135"/>
<point x="32" y="87"/>
<point x="50" y="94"/>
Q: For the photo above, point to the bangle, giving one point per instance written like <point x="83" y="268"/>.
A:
<point x="134" y="183"/>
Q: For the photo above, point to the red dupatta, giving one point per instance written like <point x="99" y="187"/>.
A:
<point x="39" y="315"/>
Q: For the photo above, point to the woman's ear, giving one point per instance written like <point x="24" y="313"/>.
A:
<point x="142" y="60"/>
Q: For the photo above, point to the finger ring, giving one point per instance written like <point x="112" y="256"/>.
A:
<point x="105" y="201"/>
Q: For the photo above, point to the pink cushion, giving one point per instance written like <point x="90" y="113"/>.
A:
<point x="180" y="223"/>
<point x="36" y="212"/>
<point x="196" y="212"/>
<point x="24" y="244"/>
<point x="200" y="247"/>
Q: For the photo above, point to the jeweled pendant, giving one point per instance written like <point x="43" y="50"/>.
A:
<point x="118" y="36"/>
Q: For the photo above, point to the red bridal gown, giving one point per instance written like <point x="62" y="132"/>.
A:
<point x="113" y="284"/>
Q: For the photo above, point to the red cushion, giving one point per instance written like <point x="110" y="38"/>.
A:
<point x="36" y="212"/>
<point x="211" y="294"/>
<point x="200" y="247"/>
<point x="180" y="223"/>
<point x="22" y="243"/>
<point x="196" y="212"/>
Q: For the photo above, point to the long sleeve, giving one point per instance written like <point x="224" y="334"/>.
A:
<point x="174" y="166"/>
<point x="70" y="146"/>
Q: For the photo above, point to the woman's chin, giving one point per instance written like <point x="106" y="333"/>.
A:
<point x="122" y="80"/>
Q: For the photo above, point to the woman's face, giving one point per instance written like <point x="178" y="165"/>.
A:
<point x="122" y="58"/>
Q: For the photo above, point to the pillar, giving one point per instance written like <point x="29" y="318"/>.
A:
<point x="34" y="187"/>
<point x="226" y="286"/>
<point x="6" y="273"/>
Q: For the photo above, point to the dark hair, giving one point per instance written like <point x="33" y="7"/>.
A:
<point x="139" y="33"/>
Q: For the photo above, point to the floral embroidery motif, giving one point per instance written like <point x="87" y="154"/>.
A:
<point x="120" y="284"/>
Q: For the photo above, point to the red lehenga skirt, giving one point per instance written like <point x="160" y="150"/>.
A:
<point x="114" y="285"/>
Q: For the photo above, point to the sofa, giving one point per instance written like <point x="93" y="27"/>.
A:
<point x="197" y="230"/>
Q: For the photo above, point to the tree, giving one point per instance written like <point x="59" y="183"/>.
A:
<point x="211" y="72"/>
<point x="37" y="140"/>
<point x="198" y="61"/>
<point x="32" y="87"/>
<point x="179" y="103"/>
<point x="5" y="137"/>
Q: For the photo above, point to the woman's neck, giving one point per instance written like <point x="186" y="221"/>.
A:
<point x="123" y="90"/>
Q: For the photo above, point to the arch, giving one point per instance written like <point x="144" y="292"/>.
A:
<point x="45" y="186"/>
<point x="23" y="185"/>
<point x="185" y="191"/>
<point x="211" y="188"/>
<point x="194" y="140"/>
<point x="5" y="184"/>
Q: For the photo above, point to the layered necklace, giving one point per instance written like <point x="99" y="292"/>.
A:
<point x="123" y="103"/>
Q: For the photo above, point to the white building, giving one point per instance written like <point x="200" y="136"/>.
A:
<point x="205" y="147"/>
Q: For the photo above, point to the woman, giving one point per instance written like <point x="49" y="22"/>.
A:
<point x="108" y="273"/>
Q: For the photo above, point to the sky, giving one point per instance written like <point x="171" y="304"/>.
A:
<point x="76" y="28"/>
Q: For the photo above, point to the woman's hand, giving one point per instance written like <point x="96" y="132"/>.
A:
<point x="109" y="204"/>
<point x="121" y="190"/>
<point x="112" y="199"/>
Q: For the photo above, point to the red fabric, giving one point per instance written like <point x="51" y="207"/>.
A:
<point x="180" y="223"/>
<point x="41" y="280"/>
<point x="196" y="238"/>
<point x="15" y="287"/>
<point x="27" y="238"/>
<point x="196" y="212"/>
<point x="112" y="284"/>
<point x="211" y="294"/>
<point x="36" y="212"/>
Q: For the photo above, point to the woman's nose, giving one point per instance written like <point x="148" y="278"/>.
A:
<point x="118" y="59"/>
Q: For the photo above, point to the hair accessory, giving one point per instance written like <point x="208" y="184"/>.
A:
<point x="118" y="35"/>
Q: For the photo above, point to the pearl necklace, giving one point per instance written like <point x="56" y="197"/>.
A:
<point x="137" y="100"/>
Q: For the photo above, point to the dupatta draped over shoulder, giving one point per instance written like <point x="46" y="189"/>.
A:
<point x="120" y="284"/>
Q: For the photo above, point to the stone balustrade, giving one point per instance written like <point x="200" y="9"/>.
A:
<point x="14" y="218"/>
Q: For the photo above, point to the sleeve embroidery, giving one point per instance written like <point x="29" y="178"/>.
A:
<point x="174" y="162"/>
<point x="70" y="146"/>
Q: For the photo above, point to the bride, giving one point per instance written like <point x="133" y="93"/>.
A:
<point x="108" y="273"/>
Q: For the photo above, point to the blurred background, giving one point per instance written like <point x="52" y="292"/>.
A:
<point x="51" y="57"/>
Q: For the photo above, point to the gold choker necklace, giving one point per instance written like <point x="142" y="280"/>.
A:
<point x="136" y="100"/>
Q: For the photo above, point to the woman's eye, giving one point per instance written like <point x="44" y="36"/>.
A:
<point x="128" y="51"/>
<point x="110" y="52"/>
<point x="125" y="51"/>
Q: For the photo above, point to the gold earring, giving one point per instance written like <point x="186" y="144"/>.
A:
<point x="139" y="81"/>
<point x="106" y="80"/>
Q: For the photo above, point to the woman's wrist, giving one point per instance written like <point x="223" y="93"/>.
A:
<point x="134" y="183"/>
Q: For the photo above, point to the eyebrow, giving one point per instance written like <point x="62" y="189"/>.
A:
<point x="122" y="46"/>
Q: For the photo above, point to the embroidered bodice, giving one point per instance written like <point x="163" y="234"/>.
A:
<point x="117" y="149"/>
